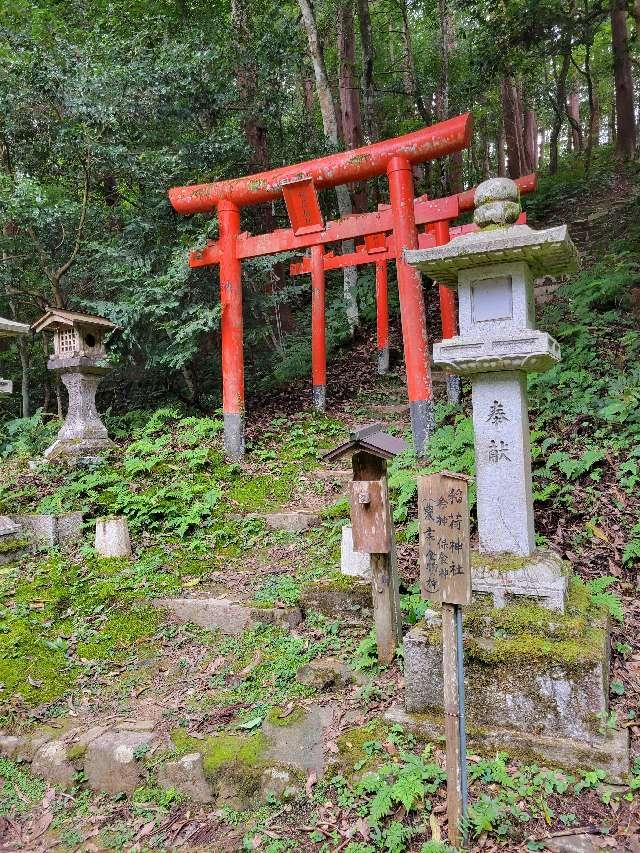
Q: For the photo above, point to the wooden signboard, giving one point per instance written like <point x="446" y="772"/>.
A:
<point x="371" y="516"/>
<point x="443" y="516"/>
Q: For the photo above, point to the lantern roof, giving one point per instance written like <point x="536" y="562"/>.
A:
<point x="10" y="328"/>
<point x="57" y="318"/>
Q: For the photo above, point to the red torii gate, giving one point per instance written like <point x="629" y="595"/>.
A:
<point x="297" y="184"/>
<point x="378" y="249"/>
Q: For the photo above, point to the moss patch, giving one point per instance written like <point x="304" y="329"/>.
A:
<point x="266" y="491"/>
<point x="276" y="719"/>
<point x="353" y="752"/>
<point x="229" y="760"/>
<point x="13" y="543"/>
<point x="121" y="633"/>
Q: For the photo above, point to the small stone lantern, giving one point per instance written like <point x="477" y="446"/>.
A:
<point x="78" y="358"/>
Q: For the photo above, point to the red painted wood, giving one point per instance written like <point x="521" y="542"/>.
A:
<point x="412" y="312"/>
<point x="345" y="167"/>
<point x="318" y="326"/>
<point x="231" y="304"/>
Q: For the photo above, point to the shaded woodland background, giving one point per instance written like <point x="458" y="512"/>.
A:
<point x="104" y="105"/>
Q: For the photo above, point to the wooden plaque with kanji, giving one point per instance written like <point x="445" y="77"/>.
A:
<point x="443" y="516"/>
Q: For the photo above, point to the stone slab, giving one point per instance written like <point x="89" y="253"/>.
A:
<point x="110" y="762"/>
<point x="610" y="754"/>
<point x="353" y="563"/>
<point x="291" y="522"/>
<point x="112" y="537"/>
<point x="301" y="743"/>
<point x="543" y="577"/>
<point x="51" y="530"/>
<point x="522" y="692"/>
<point x="227" y="616"/>
<point x="51" y="763"/>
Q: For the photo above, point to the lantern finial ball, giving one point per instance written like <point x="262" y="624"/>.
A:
<point x="497" y="203"/>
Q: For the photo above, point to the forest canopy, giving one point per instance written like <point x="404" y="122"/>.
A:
<point x="105" y="105"/>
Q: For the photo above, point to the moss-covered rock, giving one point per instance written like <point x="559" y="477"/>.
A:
<point x="232" y="763"/>
<point x="336" y="596"/>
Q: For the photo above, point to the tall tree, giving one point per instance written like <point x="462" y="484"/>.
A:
<point x="330" y="125"/>
<point x="349" y="92"/>
<point x="626" y="121"/>
<point x="368" y="57"/>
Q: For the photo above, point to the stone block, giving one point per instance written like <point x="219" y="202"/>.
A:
<point x="540" y="676"/>
<point x="8" y="527"/>
<point x="112" y="537"/>
<point x="228" y="616"/>
<point x="337" y="598"/>
<point x="610" y="753"/>
<point x="186" y="775"/>
<point x="51" y="762"/>
<point x="543" y="577"/>
<point x="298" y="741"/>
<point x="528" y="687"/>
<point x="51" y="530"/>
<point x="291" y="522"/>
<point x="110" y="763"/>
<point x="353" y="563"/>
<point x="278" y="782"/>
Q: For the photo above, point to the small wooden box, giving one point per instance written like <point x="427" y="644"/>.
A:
<point x="371" y="517"/>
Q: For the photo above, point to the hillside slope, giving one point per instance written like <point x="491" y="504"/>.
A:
<point x="90" y="666"/>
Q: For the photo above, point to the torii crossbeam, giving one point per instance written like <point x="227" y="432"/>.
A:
<point x="297" y="185"/>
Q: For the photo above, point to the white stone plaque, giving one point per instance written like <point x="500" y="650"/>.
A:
<point x="492" y="299"/>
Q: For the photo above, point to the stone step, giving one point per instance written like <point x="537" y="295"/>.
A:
<point x="294" y="521"/>
<point x="228" y="616"/>
<point x="289" y="746"/>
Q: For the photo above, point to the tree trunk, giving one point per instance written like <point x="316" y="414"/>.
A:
<point x="626" y="122"/>
<point x="330" y="126"/>
<point x="573" y="114"/>
<point x="513" y="127"/>
<point x="409" y="69"/>
<point x="500" y="152"/>
<point x="531" y="139"/>
<point x="593" y="135"/>
<point x="559" y="107"/>
<point x="349" y="93"/>
<point x="368" y="92"/>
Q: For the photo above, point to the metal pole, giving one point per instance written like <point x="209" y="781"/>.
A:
<point x="231" y="330"/>
<point x="412" y="311"/>
<point x="318" y="330"/>
<point x="382" y="316"/>
<point x="464" y="782"/>
<point x="447" y="312"/>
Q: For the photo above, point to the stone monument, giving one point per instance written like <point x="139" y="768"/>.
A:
<point x="78" y="358"/>
<point x="536" y="651"/>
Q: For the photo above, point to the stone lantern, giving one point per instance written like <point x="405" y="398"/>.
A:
<point x="494" y="270"/>
<point x="78" y="358"/>
<point x="528" y="687"/>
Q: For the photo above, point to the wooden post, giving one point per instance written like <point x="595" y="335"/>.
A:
<point x="373" y="534"/>
<point x="445" y="577"/>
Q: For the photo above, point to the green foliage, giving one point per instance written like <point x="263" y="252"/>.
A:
<point x="278" y="589"/>
<point x="601" y="597"/>
<point x="27" y="437"/>
<point x="19" y="790"/>
<point x="450" y="449"/>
